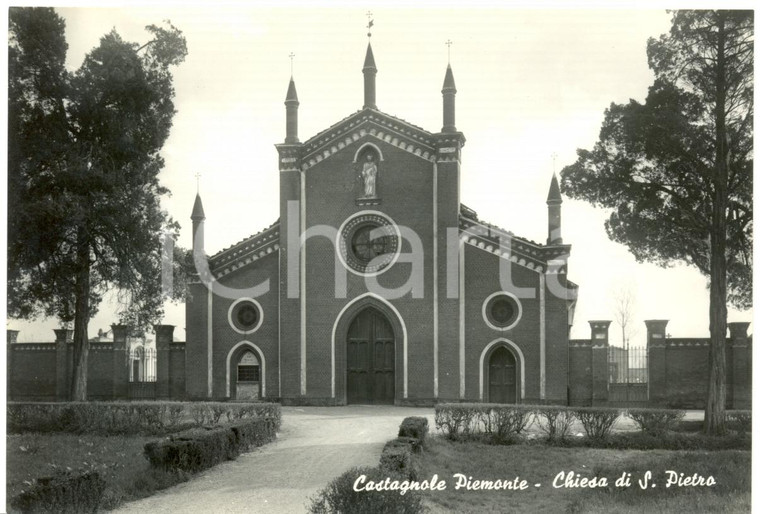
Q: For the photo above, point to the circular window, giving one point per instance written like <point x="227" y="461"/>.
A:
<point x="245" y="315"/>
<point x="369" y="243"/>
<point x="502" y="310"/>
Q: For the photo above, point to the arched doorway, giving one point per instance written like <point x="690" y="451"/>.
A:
<point x="248" y="377"/>
<point x="370" y="358"/>
<point x="502" y="376"/>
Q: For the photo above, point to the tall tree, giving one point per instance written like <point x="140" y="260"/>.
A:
<point x="677" y="170"/>
<point x="83" y="165"/>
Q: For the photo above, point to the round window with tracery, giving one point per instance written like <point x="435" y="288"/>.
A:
<point x="368" y="243"/>
<point x="501" y="310"/>
<point x="245" y="315"/>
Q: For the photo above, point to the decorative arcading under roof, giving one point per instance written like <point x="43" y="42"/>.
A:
<point x="338" y="129"/>
<point x="246" y="251"/>
<point x="521" y="251"/>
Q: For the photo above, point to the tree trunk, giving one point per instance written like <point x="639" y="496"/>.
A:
<point x="715" y="408"/>
<point x="81" y="319"/>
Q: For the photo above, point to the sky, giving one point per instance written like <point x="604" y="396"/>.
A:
<point x="532" y="89"/>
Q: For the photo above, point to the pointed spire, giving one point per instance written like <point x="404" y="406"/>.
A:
<point x="554" y="206"/>
<point x="369" y="70"/>
<point x="198" y="214"/>
<point x="448" y="81"/>
<point x="292" y="95"/>
<point x="554" y="194"/>
<point x="449" y="102"/>
<point x="291" y="113"/>
<point x="369" y="59"/>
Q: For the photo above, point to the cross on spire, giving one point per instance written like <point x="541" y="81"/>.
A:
<point x="448" y="44"/>
<point x="554" y="162"/>
<point x="370" y="22"/>
<point x="291" y="63"/>
<point x="198" y="183"/>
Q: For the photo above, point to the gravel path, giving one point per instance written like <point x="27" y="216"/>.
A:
<point x="314" y="445"/>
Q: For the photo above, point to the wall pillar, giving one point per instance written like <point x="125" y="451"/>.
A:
<point x="164" y="337"/>
<point x="742" y="365"/>
<point x="12" y="337"/>
<point x="657" y="361"/>
<point x="120" y="362"/>
<point x="63" y="337"/>
<point x="600" y="347"/>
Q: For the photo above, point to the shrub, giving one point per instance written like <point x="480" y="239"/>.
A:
<point x="597" y="421"/>
<point x="151" y="417"/>
<point x="739" y="420"/>
<point x="198" y="449"/>
<point x="397" y="457"/>
<point x="339" y="496"/>
<point x="465" y="420"/>
<point x="201" y="414"/>
<point x="656" y="421"/>
<point x="63" y="493"/>
<point x="454" y="419"/>
<point x="414" y="426"/>
<point x="507" y="422"/>
<point x="554" y="421"/>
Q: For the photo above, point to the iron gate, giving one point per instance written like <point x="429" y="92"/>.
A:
<point x="629" y="376"/>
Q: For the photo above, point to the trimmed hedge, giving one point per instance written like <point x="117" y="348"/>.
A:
<point x="63" y="493"/>
<point x="554" y="421"/>
<point x="339" y="495"/>
<point x="414" y="426"/>
<point x="597" y="421"/>
<point x="739" y="421"/>
<point x="656" y="421"/>
<point x="198" y="449"/>
<point x="500" y="422"/>
<point x="151" y="417"/>
<point x="398" y="457"/>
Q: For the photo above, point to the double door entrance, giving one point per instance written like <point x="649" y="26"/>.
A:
<point x="370" y="358"/>
<point x="502" y="377"/>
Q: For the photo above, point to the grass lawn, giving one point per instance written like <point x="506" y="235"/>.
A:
<point x="118" y="459"/>
<point x="539" y="464"/>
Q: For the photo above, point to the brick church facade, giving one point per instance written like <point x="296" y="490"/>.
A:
<point x="376" y="285"/>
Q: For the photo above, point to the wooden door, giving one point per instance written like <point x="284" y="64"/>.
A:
<point x="370" y="356"/>
<point x="502" y="377"/>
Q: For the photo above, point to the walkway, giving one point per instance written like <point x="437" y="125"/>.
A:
<point x="315" y="445"/>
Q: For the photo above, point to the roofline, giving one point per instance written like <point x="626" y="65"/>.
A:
<point x="312" y="140"/>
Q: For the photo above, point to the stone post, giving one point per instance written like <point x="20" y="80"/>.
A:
<point x="657" y="361"/>
<point x="63" y="337"/>
<point x="120" y="362"/>
<point x="164" y="337"/>
<point x="600" y="347"/>
<point x="742" y="365"/>
<point x="12" y="336"/>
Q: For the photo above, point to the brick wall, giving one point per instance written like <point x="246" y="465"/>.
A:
<point x="43" y="371"/>
<point x="678" y="368"/>
<point x="32" y="371"/>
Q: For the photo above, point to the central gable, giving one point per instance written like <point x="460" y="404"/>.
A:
<point x="365" y="126"/>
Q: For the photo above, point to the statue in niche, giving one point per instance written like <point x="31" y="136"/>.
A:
<point x="369" y="175"/>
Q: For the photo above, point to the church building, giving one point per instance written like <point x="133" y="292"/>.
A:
<point x="376" y="285"/>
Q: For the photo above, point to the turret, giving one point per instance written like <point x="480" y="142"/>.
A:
<point x="369" y="70"/>
<point x="554" y="203"/>
<point x="291" y="114"/>
<point x="449" y="97"/>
